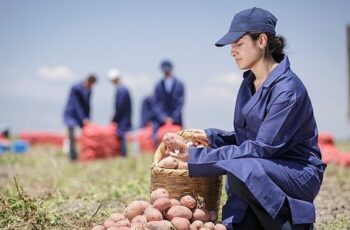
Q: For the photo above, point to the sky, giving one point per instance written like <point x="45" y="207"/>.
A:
<point x="46" y="46"/>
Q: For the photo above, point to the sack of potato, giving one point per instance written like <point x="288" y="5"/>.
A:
<point x="163" y="213"/>
<point x="172" y="174"/>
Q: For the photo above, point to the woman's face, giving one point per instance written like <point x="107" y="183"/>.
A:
<point x="246" y="52"/>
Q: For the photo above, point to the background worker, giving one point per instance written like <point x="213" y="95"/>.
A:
<point x="122" y="109"/>
<point x="169" y="96"/>
<point x="77" y="110"/>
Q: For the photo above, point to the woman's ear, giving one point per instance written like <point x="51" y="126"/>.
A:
<point x="262" y="41"/>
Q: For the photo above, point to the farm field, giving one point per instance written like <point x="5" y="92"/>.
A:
<point x="41" y="189"/>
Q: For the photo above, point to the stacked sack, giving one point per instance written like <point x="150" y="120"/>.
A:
<point x="98" y="142"/>
<point x="329" y="153"/>
<point x="145" y="136"/>
<point x="35" y="138"/>
<point x="163" y="213"/>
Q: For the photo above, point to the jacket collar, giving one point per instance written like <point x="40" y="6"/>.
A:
<point x="281" y="68"/>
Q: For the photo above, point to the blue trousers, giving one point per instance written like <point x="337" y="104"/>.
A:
<point x="72" y="148"/>
<point x="256" y="218"/>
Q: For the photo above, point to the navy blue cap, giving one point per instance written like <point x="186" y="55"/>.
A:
<point x="166" y="65"/>
<point x="250" y="20"/>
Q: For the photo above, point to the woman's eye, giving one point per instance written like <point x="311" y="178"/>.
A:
<point x="239" y="44"/>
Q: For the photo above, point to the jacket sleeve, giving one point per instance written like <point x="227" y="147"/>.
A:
<point x="179" y="102"/>
<point x="282" y="121"/>
<point x="218" y="137"/>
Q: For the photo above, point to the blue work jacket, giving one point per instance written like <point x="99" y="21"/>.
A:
<point x="123" y="109"/>
<point x="273" y="149"/>
<point x="78" y="105"/>
<point x="170" y="104"/>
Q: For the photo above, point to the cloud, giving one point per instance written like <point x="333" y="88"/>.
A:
<point x="55" y="73"/>
<point x="219" y="90"/>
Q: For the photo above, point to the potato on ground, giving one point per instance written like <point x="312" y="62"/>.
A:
<point x="162" y="204"/>
<point x="98" y="227"/>
<point x="119" y="228"/>
<point x="153" y="214"/>
<point x="180" y="223"/>
<point x="117" y="217"/>
<point x="188" y="201"/>
<point x="108" y="223"/>
<point x="209" y="225"/>
<point x="220" y="227"/>
<point x="123" y="223"/>
<point x="200" y="214"/>
<point x="179" y="211"/>
<point x="139" y="220"/>
<point x="135" y="208"/>
<point x="158" y="225"/>
<point x="174" y="201"/>
<point x="198" y="223"/>
<point x="159" y="193"/>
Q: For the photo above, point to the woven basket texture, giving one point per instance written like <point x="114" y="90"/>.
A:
<point x="207" y="190"/>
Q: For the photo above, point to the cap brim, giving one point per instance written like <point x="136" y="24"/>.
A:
<point x="229" y="38"/>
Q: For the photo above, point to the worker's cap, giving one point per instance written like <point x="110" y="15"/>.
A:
<point x="250" y="20"/>
<point x="113" y="74"/>
<point x="166" y="65"/>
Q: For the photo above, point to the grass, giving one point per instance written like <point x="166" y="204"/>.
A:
<point x="43" y="190"/>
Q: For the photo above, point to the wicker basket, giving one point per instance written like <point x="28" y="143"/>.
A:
<point x="178" y="183"/>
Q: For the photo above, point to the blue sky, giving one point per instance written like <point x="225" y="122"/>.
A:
<point x="45" y="46"/>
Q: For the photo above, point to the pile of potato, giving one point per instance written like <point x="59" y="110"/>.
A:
<point x="163" y="213"/>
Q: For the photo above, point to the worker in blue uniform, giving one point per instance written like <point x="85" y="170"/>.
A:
<point x="271" y="159"/>
<point x="169" y="96"/>
<point x="123" y="110"/>
<point x="77" y="110"/>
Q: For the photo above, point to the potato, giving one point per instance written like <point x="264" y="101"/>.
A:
<point x="174" y="142"/>
<point x="117" y="217"/>
<point x="220" y="227"/>
<point x="198" y="223"/>
<point x="213" y="216"/>
<point x="192" y="227"/>
<point x="182" y="165"/>
<point x="159" y="193"/>
<point x="162" y="204"/>
<point x="153" y="214"/>
<point x="98" y="227"/>
<point x="158" y="225"/>
<point x="200" y="214"/>
<point x="135" y="208"/>
<point x="109" y="223"/>
<point x="209" y="225"/>
<point x="119" y="228"/>
<point x="204" y="228"/>
<point x="139" y="220"/>
<point x="174" y="201"/>
<point x="188" y="201"/>
<point x="168" y="163"/>
<point x="123" y="223"/>
<point x="178" y="211"/>
<point x="180" y="223"/>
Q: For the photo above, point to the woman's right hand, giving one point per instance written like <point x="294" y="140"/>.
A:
<point x="199" y="135"/>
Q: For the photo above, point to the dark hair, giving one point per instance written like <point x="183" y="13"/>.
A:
<point x="275" y="45"/>
<point x="91" y="78"/>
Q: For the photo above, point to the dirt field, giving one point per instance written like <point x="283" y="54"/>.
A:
<point x="52" y="193"/>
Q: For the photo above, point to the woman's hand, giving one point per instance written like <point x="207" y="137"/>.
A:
<point x="199" y="136"/>
<point x="176" y="145"/>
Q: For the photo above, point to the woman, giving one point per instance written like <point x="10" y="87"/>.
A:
<point x="272" y="161"/>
